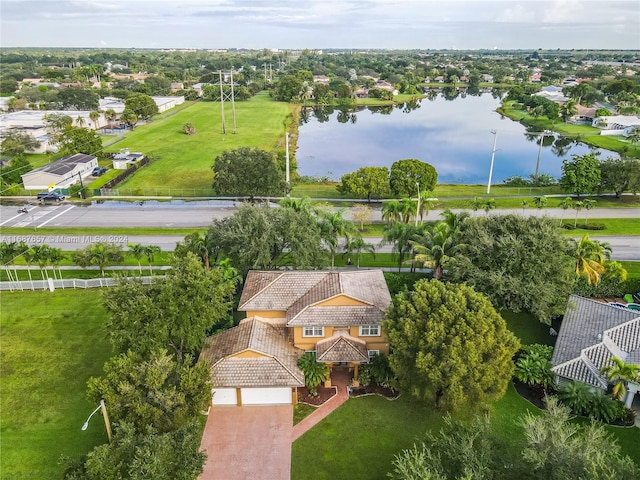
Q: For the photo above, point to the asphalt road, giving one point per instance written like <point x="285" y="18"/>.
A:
<point x="200" y="214"/>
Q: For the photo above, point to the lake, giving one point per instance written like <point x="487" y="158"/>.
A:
<point x="453" y="136"/>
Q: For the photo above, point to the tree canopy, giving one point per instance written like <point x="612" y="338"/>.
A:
<point x="15" y="143"/>
<point x="366" y="182"/>
<point x="173" y="313"/>
<point x="142" y="105"/>
<point x="405" y="174"/>
<point x="262" y="237"/>
<point x="620" y="175"/>
<point x="521" y="264"/>
<point x="247" y="171"/>
<point x="449" y="346"/>
<point x="581" y="174"/>
<point x="74" y="140"/>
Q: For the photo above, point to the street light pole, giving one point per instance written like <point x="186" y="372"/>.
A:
<point x="493" y="154"/>
<point x="418" y="205"/>
<point x="287" y="178"/>
<point x="535" y="176"/>
<point x="107" y="424"/>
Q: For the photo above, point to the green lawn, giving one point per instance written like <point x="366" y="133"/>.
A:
<point x="183" y="162"/>
<point x="51" y="344"/>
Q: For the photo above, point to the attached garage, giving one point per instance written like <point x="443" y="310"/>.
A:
<point x="224" y="396"/>
<point x="252" y="364"/>
<point x="266" y="396"/>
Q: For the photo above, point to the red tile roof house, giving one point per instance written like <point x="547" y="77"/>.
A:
<point x="337" y="315"/>
<point x="591" y="334"/>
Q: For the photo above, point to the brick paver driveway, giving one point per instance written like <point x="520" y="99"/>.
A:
<point x="248" y="443"/>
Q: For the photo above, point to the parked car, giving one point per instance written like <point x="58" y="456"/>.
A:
<point x="44" y="196"/>
<point x="96" y="172"/>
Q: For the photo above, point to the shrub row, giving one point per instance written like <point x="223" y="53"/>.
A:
<point x="606" y="288"/>
<point x="585" y="226"/>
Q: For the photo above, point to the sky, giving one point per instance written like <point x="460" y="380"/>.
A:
<point x="322" y="24"/>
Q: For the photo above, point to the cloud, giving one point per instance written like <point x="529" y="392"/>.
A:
<point x="563" y="11"/>
<point x="517" y="14"/>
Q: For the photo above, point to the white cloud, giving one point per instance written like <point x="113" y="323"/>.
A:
<point x="517" y="14"/>
<point x="563" y="11"/>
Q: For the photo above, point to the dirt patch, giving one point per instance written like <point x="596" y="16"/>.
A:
<point x="323" y="395"/>
<point x="374" y="390"/>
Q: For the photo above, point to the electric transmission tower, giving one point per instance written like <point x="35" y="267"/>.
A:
<point x="227" y="95"/>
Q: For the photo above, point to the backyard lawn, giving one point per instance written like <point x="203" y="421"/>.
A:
<point x="51" y="344"/>
<point x="181" y="161"/>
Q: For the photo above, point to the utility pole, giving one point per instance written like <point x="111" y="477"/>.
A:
<point x="233" y="102"/>
<point x="493" y="154"/>
<point x="418" y="205"/>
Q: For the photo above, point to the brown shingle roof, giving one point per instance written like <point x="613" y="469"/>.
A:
<point x="278" y="366"/>
<point x="341" y="347"/>
<point x="334" y="316"/>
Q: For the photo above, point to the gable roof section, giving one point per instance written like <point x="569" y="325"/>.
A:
<point x="341" y="347"/>
<point x="293" y="291"/>
<point x="63" y="165"/>
<point x="277" y="367"/>
<point x="336" y="316"/>
<point x="601" y="332"/>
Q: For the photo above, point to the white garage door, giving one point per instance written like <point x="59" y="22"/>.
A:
<point x="224" y="396"/>
<point x="266" y="396"/>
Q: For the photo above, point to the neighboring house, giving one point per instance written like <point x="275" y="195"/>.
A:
<point x="553" y="93"/>
<point x="584" y="114"/>
<point x="175" y="86"/>
<point x="323" y="79"/>
<point x="35" y="118"/>
<point x="167" y="103"/>
<point x="616" y="124"/>
<point x="336" y="315"/>
<point x="124" y="159"/>
<point x="386" y="86"/>
<point x="199" y="88"/>
<point x="591" y="334"/>
<point x="61" y="173"/>
<point x="111" y="103"/>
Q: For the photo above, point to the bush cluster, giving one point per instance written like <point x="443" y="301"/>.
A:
<point x="585" y="226"/>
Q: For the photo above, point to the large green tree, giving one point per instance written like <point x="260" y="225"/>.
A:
<point x="289" y="88"/>
<point x="16" y="143"/>
<point x="79" y="98"/>
<point x="407" y="174"/>
<point x="247" y="172"/>
<point x="175" y="312"/>
<point x="366" y="182"/>
<point x="620" y="175"/>
<point x="152" y="391"/>
<point x="435" y="247"/>
<point x="12" y="173"/>
<point x="142" y="105"/>
<point x="141" y="456"/>
<point x="74" y="140"/>
<point x="449" y="346"/>
<point x="581" y="174"/>
<point x="264" y="238"/>
<point x="521" y="264"/>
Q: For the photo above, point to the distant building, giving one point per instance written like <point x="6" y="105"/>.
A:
<point x="124" y="159"/>
<point x="61" y="173"/>
<point x="167" y="103"/>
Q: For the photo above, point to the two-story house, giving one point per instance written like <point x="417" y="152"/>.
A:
<point x="336" y="315"/>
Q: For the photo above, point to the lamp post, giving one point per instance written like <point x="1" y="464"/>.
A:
<point x="107" y="424"/>
<point x="418" y="205"/>
<point x="493" y="154"/>
<point x="545" y="132"/>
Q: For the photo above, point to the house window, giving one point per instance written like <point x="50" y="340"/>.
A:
<point x="370" y="330"/>
<point x="373" y="353"/>
<point x="313" y="332"/>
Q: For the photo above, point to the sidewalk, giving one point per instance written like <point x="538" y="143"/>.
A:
<point x="339" y="380"/>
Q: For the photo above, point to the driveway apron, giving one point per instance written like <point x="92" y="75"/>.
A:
<point x="248" y="443"/>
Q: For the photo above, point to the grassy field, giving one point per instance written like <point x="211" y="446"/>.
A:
<point x="51" y="344"/>
<point x="182" y="161"/>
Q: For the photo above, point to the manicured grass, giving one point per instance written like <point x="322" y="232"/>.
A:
<point x="632" y="268"/>
<point x="51" y="344"/>
<point x="302" y="411"/>
<point x="183" y="162"/>
<point x="527" y="328"/>
<point x="615" y="226"/>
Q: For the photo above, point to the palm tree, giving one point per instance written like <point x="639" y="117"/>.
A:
<point x="565" y="204"/>
<point x="489" y="205"/>
<point x="634" y="135"/>
<point x="589" y="204"/>
<point x="524" y="204"/>
<point x="8" y="255"/>
<point x="568" y="110"/>
<point x="540" y="202"/>
<point x="408" y="208"/>
<point x="426" y="204"/>
<point x="41" y="257"/>
<point x="136" y="251"/>
<point x="229" y="272"/>
<point x="577" y="206"/>
<point x="94" y="116"/>
<point x="590" y="256"/>
<point x="614" y="271"/>
<point x="357" y="245"/>
<point x="297" y="204"/>
<point x="400" y="234"/>
<point x="455" y="221"/>
<point x="196" y="244"/>
<point x="333" y="226"/>
<point x="435" y="247"/>
<point x="80" y="122"/>
<point x="618" y="374"/>
<point x="56" y="255"/>
<point x="477" y="203"/>
<point x="150" y="252"/>
<point x="314" y="372"/>
<point x="391" y="211"/>
<point x="110" y="115"/>
<point x="577" y="396"/>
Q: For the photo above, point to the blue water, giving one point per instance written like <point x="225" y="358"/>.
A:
<point x="454" y="136"/>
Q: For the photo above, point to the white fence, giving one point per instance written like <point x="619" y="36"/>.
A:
<point x="52" y="284"/>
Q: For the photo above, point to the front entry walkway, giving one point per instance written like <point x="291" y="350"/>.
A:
<point x="340" y="378"/>
<point x="248" y="443"/>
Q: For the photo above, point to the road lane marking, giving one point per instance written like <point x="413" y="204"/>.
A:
<point x="54" y="217"/>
